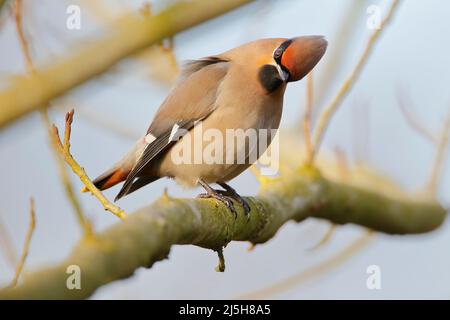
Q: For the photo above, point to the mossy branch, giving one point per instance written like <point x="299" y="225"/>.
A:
<point x="146" y="236"/>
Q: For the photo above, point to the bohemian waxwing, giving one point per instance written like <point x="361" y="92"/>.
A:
<point x="240" y="89"/>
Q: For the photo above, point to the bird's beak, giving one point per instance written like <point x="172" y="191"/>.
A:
<point x="302" y="55"/>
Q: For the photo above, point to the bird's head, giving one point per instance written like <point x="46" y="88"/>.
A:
<point x="295" y="58"/>
<point x="277" y="61"/>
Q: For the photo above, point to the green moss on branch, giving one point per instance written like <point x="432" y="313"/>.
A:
<point x="147" y="235"/>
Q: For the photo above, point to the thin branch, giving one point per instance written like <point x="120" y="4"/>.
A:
<point x="411" y="119"/>
<point x="297" y="279"/>
<point x="438" y="164"/>
<point x="330" y="110"/>
<point x="343" y="39"/>
<point x="26" y="246"/>
<point x="326" y="238"/>
<point x="169" y="50"/>
<point x="64" y="150"/>
<point x="7" y="247"/>
<point x="148" y="234"/>
<point x="17" y="11"/>
<point x="307" y="117"/>
<point x="342" y="162"/>
<point x="65" y="180"/>
<point x="122" y="38"/>
<point x="441" y="142"/>
<point x="221" y="266"/>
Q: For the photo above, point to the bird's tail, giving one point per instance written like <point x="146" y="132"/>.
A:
<point x="119" y="172"/>
<point x="110" y="178"/>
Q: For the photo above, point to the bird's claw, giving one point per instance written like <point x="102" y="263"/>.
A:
<point x="239" y="199"/>
<point x="222" y="198"/>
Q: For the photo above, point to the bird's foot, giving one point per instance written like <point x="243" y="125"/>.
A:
<point x="212" y="193"/>
<point x="230" y="192"/>
<point x="220" y="197"/>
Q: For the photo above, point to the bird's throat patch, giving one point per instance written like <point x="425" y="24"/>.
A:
<point x="269" y="78"/>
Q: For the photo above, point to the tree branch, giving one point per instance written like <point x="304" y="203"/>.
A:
<point x="6" y="246"/>
<point x="26" y="245"/>
<point x="63" y="147"/>
<point x="307" y="118"/>
<point x="438" y="164"/>
<point x="348" y="84"/>
<point x="17" y="6"/>
<point x="147" y="235"/>
<point x="125" y="36"/>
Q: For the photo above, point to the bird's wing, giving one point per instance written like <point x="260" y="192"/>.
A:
<point x="192" y="100"/>
<point x="194" y="95"/>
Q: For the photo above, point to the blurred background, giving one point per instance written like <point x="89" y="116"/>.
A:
<point x="411" y="60"/>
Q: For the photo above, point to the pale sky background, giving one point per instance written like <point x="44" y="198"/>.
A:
<point x="412" y="54"/>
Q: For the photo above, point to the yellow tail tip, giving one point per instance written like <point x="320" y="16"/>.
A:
<point x="84" y="190"/>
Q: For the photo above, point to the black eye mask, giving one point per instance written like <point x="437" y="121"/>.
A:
<point x="278" y="53"/>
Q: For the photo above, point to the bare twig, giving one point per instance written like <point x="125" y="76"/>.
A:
<point x="7" y="247"/>
<point x="342" y="162"/>
<point x="307" y="117"/>
<point x="326" y="238"/>
<point x="350" y="81"/>
<point x="438" y="164"/>
<point x="169" y="50"/>
<point x="65" y="180"/>
<point x="221" y="265"/>
<point x="343" y="39"/>
<point x="64" y="150"/>
<point x="406" y="109"/>
<point x="17" y="11"/>
<point x="26" y="246"/>
<point x="440" y="142"/>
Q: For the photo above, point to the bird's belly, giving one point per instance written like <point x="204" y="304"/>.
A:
<point x="219" y="148"/>
<point x="188" y="175"/>
<point x="211" y="160"/>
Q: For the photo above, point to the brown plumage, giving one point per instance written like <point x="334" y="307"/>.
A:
<point x="242" y="88"/>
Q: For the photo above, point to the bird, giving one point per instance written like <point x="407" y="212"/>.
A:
<point x="240" y="89"/>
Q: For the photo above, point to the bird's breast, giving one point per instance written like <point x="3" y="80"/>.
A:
<point x="230" y="139"/>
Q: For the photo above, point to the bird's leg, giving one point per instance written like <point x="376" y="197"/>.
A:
<point x="229" y="191"/>
<point x="212" y="193"/>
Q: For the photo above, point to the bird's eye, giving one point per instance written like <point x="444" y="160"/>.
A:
<point x="277" y="54"/>
<point x="280" y="50"/>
